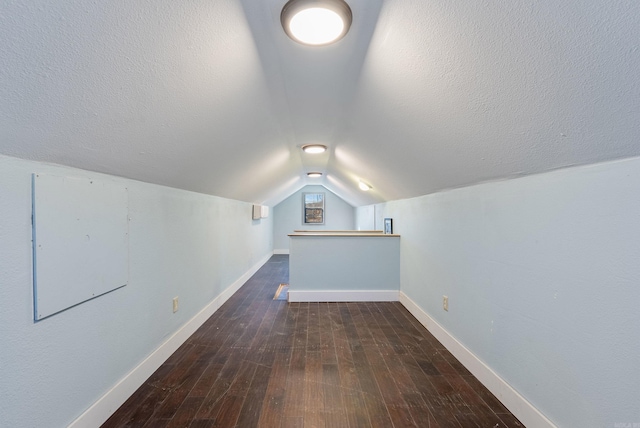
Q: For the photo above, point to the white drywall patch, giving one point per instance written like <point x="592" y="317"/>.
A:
<point x="80" y="241"/>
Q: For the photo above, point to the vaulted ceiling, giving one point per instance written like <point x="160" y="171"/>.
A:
<point x="421" y="95"/>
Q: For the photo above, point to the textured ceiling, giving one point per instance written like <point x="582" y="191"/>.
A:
<point x="420" y="96"/>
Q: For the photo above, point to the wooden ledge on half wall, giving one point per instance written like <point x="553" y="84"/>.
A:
<point x="355" y="233"/>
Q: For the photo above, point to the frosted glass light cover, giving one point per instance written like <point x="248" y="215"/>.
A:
<point x="314" y="148"/>
<point x="316" y="26"/>
<point x="316" y="22"/>
<point x="364" y="186"/>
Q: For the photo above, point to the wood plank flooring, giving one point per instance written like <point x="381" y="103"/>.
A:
<point x="259" y="362"/>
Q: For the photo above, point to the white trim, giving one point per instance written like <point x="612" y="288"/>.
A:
<point x="283" y="251"/>
<point x="102" y="409"/>
<point x="343" y="295"/>
<point x="512" y="400"/>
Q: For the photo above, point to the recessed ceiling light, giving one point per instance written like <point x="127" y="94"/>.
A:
<point x="316" y="22"/>
<point x="364" y="186"/>
<point x="314" y="148"/>
<point x="314" y="174"/>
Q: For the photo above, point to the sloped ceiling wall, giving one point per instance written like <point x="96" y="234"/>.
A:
<point x="421" y="96"/>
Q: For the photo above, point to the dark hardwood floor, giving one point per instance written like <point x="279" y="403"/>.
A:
<point x="269" y="363"/>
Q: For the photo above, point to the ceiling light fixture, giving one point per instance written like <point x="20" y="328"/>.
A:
<point x="364" y="186"/>
<point x="314" y="148"/>
<point x="314" y="174"/>
<point x="316" y="22"/>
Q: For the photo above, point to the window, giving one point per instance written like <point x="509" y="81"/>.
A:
<point x="313" y="208"/>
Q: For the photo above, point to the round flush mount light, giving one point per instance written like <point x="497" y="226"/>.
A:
<point x="364" y="186"/>
<point x="314" y="148"/>
<point x="316" y="22"/>
<point x="314" y="174"/>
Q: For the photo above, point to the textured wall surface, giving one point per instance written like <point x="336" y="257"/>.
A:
<point x="181" y="244"/>
<point x="542" y="276"/>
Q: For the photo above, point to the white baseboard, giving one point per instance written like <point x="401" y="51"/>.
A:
<point x="512" y="400"/>
<point x="102" y="409"/>
<point x="282" y="251"/>
<point x="343" y="296"/>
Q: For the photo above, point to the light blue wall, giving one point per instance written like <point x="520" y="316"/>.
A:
<point x="180" y="243"/>
<point x="348" y="263"/>
<point x="287" y="216"/>
<point x="543" y="279"/>
<point x="365" y="218"/>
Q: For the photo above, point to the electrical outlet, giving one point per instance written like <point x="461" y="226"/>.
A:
<point x="175" y="304"/>
<point x="445" y="303"/>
